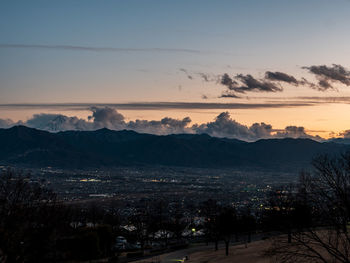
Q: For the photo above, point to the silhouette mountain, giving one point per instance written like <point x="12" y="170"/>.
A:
<point x="29" y="147"/>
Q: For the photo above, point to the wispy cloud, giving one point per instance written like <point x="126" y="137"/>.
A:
<point x="188" y="75"/>
<point x="158" y="105"/>
<point x="104" y="49"/>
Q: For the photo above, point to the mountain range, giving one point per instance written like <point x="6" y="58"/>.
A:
<point x="23" y="146"/>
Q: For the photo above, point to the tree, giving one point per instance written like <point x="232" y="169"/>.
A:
<point x="30" y="219"/>
<point x="281" y="209"/>
<point x="246" y="223"/>
<point x="325" y="194"/>
<point x="211" y="210"/>
<point x="227" y="223"/>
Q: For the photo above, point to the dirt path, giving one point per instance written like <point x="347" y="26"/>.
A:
<point x="253" y="253"/>
<point x="238" y="253"/>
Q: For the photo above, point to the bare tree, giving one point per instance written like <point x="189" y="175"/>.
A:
<point x="30" y="219"/>
<point x="227" y="225"/>
<point x="326" y="193"/>
<point x="211" y="210"/>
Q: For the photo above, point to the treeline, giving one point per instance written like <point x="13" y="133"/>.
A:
<point x="310" y="221"/>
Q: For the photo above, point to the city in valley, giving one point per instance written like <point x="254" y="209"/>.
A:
<point x="135" y="186"/>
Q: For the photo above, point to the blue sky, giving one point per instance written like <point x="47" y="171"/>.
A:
<point x="154" y="40"/>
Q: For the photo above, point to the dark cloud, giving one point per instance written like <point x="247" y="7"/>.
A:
<point x="335" y="73"/>
<point x="252" y="84"/>
<point x="107" y="118"/>
<point x="246" y="83"/>
<point x="305" y="82"/>
<point x="228" y="94"/>
<point x="327" y="75"/>
<point x="227" y="81"/>
<point x="324" y="85"/>
<point x="204" y="97"/>
<point x="280" y="76"/>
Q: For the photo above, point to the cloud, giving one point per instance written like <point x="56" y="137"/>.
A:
<point x="107" y="117"/>
<point x="324" y="85"/>
<point x="345" y="134"/>
<point x="103" y="49"/>
<point x="295" y="132"/>
<point x="6" y="123"/>
<point x="280" y="76"/>
<point x="227" y="81"/>
<point x="252" y="84"/>
<point x="247" y="83"/>
<point x="164" y="126"/>
<point x="58" y="122"/>
<point x="206" y="77"/>
<point x="158" y="105"/>
<point x="327" y="75"/>
<point x="186" y="72"/>
<point x="225" y="126"/>
<point x="101" y="118"/>
<point x="228" y="94"/>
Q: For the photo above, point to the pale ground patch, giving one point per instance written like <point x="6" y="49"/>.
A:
<point x="254" y="253"/>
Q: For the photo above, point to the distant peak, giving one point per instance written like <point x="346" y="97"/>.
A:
<point x="20" y="127"/>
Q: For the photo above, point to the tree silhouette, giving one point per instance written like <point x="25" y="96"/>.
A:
<point x="324" y="195"/>
<point x="31" y="219"/>
<point x="211" y="210"/>
<point x="227" y="222"/>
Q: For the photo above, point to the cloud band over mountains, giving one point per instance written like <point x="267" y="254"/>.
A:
<point x="222" y="126"/>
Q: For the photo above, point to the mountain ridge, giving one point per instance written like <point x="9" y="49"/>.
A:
<point x="25" y="146"/>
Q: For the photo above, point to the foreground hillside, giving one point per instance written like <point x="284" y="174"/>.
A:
<point x="106" y="148"/>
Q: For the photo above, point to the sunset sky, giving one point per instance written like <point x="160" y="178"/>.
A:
<point x="283" y="63"/>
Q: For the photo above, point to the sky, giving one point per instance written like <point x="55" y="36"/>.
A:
<point x="278" y="62"/>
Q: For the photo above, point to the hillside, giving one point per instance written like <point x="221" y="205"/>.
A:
<point x="107" y="148"/>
